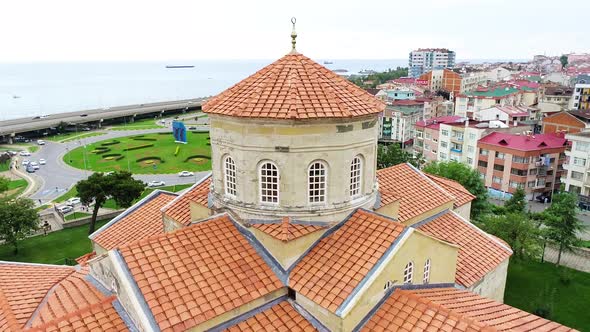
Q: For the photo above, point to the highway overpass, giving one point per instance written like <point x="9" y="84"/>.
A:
<point x="95" y="117"/>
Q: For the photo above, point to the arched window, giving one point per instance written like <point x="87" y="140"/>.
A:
<point x="426" y="278"/>
<point x="230" y="176"/>
<point x="356" y="168"/>
<point x="317" y="182"/>
<point x="269" y="183"/>
<point x="409" y="273"/>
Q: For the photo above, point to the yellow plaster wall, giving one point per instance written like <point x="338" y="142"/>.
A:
<point x="327" y="318"/>
<point x="198" y="211"/>
<point x="239" y="310"/>
<point x="417" y="248"/>
<point x="429" y="213"/>
<point x="286" y="253"/>
<point x="170" y="224"/>
<point x="464" y="211"/>
<point x="391" y="210"/>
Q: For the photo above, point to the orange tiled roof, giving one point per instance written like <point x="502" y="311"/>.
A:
<point x="499" y="316"/>
<point x="144" y="221"/>
<point x="416" y="193"/>
<point x="53" y="298"/>
<point x="198" y="272"/>
<point x="478" y="253"/>
<point x="462" y="195"/>
<point x="329" y="273"/>
<point x="101" y="316"/>
<point x="83" y="260"/>
<point x="180" y="210"/>
<point x="23" y="287"/>
<point x="294" y="87"/>
<point x="286" y="230"/>
<point x="405" y="311"/>
<point x="280" y="317"/>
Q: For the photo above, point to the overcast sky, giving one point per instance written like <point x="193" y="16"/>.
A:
<point x="114" y="30"/>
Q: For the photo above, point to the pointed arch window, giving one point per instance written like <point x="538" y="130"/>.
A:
<point x="317" y="182"/>
<point x="269" y="183"/>
<point x="356" y="168"/>
<point x="230" y="176"/>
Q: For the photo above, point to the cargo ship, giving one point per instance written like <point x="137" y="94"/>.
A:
<point x="176" y="67"/>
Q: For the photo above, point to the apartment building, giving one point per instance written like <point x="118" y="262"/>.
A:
<point x="427" y="135"/>
<point x="426" y="59"/>
<point x="397" y="121"/>
<point x="567" y="122"/>
<point x="531" y="162"/>
<point x="454" y="82"/>
<point x="487" y="97"/>
<point x="581" y="98"/>
<point x="577" y="165"/>
<point x="507" y="114"/>
<point x="556" y="94"/>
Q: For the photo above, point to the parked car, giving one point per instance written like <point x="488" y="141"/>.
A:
<point x="25" y="162"/>
<point x="192" y="128"/>
<point x="30" y="169"/>
<point x="541" y="198"/>
<point x="42" y="161"/>
<point x="185" y="174"/>
<point x="41" y="142"/>
<point x="156" y="183"/>
<point x="65" y="209"/>
<point x="73" y="201"/>
<point x="34" y="165"/>
<point x="24" y="153"/>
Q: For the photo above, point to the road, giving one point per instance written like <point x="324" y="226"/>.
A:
<point x="56" y="177"/>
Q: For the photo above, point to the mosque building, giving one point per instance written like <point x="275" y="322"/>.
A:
<point x="294" y="229"/>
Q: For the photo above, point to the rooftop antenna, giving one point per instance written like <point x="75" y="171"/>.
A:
<point x="293" y="35"/>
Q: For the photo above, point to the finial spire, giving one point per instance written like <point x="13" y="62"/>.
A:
<point x="293" y="35"/>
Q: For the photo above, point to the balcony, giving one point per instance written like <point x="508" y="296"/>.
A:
<point x="456" y="150"/>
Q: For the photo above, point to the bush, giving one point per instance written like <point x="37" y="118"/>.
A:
<point x="113" y="142"/>
<point x="144" y="139"/>
<point x="150" y="158"/>
<point x="138" y="147"/>
<point x="197" y="156"/>
<point x="113" y="156"/>
<point x="100" y="150"/>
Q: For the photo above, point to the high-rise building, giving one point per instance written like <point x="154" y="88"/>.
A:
<point x="582" y="96"/>
<point x="426" y="59"/>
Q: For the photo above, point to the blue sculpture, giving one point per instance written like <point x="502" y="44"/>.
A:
<point x="179" y="131"/>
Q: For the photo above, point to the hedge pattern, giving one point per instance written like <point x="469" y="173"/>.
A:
<point x="138" y="147"/>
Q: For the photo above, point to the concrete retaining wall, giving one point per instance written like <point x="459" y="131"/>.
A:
<point x="86" y="220"/>
<point x="577" y="259"/>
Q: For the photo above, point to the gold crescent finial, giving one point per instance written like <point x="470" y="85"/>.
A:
<point x="293" y="35"/>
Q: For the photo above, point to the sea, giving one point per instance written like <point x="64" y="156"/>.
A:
<point x="35" y="89"/>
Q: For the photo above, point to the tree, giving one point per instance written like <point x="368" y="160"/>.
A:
<point x="516" y="203"/>
<point x="18" y="218"/>
<point x="561" y="221"/>
<point x="468" y="178"/>
<point x="518" y="230"/>
<point x="4" y="182"/>
<point x="120" y="186"/>
<point x="563" y="60"/>
<point x="391" y="155"/>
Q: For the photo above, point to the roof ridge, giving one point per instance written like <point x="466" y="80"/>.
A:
<point x="430" y="180"/>
<point x="203" y="179"/>
<point x="106" y="300"/>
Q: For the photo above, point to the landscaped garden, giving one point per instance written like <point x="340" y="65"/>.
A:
<point x="15" y="188"/>
<point x="149" y="123"/>
<point x="144" y="154"/>
<point x="562" y="293"/>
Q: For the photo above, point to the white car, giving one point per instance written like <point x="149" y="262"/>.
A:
<point x="65" y="209"/>
<point x="34" y="165"/>
<point x="26" y="162"/>
<point x="185" y="174"/>
<point x="42" y="161"/>
<point x="73" y="201"/>
<point x="24" y="153"/>
<point x="41" y="142"/>
<point x="156" y="183"/>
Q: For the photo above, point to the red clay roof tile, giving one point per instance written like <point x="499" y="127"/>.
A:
<point x="294" y="87"/>
<point x="83" y="260"/>
<point x="462" y="195"/>
<point x="335" y="266"/>
<point x="416" y="193"/>
<point x="286" y="230"/>
<point x="223" y="272"/>
<point x="180" y="210"/>
<point x="280" y="317"/>
<point x="144" y="221"/>
<point x="479" y="253"/>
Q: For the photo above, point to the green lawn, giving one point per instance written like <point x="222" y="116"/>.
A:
<point x="4" y="166"/>
<point x="109" y="155"/>
<point x="532" y="283"/>
<point x="149" y="123"/>
<point x="585" y="244"/>
<point x="52" y="249"/>
<point x="76" y="215"/>
<point x="80" y="136"/>
<point x="15" y="188"/>
<point x="33" y="148"/>
<point x="69" y="194"/>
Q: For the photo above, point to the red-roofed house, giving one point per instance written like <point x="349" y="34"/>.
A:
<point x="531" y="162"/>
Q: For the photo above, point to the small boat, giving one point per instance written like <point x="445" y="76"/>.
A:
<point x="328" y="62"/>
<point x="340" y="71"/>
<point x="177" y="67"/>
<point x="15" y="96"/>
